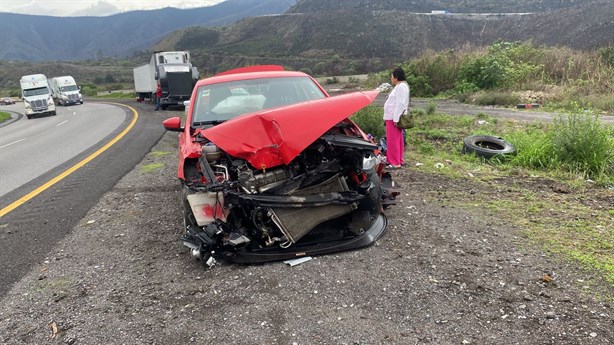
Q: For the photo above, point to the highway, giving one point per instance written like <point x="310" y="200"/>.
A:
<point x="30" y="148"/>
<point x="53" y="169"/>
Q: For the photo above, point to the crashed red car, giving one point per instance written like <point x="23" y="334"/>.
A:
<point x="272" y="168"/>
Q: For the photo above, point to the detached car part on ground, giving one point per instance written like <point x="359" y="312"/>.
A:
<point x="487" y="146"/>
<point x="272" y="169"/>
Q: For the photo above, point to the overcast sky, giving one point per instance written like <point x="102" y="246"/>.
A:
<point x="93" y="7"/>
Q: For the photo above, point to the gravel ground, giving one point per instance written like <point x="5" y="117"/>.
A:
<point x="440" y="275"/>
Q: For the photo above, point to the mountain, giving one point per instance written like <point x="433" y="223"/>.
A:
<point x="369" y="34"/>
<point x="101" y="8"/>
<point x="426" y="6"/>
<point x="46" y="38"/>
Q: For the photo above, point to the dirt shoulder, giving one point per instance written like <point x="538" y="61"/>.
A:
<point x="442" y="274"/>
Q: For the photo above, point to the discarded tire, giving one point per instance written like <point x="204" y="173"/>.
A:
<point x="487" y="146"/>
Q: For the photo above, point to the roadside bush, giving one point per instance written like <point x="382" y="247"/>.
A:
<point x="497" y="98"/>
<point x="607" y="55"/>
<point x="306" y="70"/>
<point x="15" y="92"/>
<point x="583" y="144"/>
<point x="431" y="107"/>
<point x="603" y="102"/>
<point x="89" y="90"/>
<point x="370" y="120"/>
<point x="533" y="149"/>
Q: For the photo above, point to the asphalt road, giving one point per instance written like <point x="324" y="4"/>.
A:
<point x="30" y="230"/>
<point x="29" y="148"/>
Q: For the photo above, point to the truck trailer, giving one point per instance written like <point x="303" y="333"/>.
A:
<point x="36" y="95"/>
<point x="65" y="91"/>
<point x="175" y="74"/>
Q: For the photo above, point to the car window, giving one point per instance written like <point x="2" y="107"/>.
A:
<point x="224" y="101"/>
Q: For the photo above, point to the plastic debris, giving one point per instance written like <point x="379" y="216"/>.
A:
<point x="298" y="261"/>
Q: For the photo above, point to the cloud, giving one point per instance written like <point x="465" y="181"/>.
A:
<point x="93" y="7"/>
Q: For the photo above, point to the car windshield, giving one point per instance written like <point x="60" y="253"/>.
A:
<point x="219" y="102"/>
<point x="35" y="92"/>
<point x="69" y="88"/>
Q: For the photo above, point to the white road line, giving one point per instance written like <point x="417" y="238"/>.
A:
<point x="61" y="123"/>
<point x="14" y="142"/>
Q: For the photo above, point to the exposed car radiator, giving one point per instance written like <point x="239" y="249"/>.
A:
<point x="297" y="222"/>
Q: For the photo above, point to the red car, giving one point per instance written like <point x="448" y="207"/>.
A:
<point x="271" y="168"/>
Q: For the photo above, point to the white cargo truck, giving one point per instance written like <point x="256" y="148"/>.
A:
<point x="65" y="91"/>
<point x="175" y="74"/>
<point x="36" y="95"/>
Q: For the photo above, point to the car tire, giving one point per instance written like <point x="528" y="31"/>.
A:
<point x="487" y="146"/>
<point x="29" y="117"/>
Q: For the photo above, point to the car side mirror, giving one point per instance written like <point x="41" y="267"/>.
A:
<point x="173" y="124"/>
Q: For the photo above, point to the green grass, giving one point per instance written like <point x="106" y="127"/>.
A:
<point x="564" y="153"/>
<point x="4" y="116"/>
<point x="159" y="153"/>
<point x="149" y="168"/>
<point x="117" y="95"/>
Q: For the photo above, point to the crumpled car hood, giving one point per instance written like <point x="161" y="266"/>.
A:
<point x="276" y="136"/>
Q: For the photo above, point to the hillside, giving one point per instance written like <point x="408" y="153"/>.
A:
<point x="326" y="37"/>
<point x="45" y="38"/>
<point x="426" y="6"/>
<point x="363" y="36"/>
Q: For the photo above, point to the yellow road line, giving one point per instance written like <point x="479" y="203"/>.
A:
<point x="74" y="168"/>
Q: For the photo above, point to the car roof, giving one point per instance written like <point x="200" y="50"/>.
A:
<point x="224" y="78"/>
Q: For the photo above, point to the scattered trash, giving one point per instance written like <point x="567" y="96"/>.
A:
<point x="418" y="164"/>
<point x="482" y="122"/>
<point x="527" y="106"/>
<point x="438" y="165"/>
<point x="54" y="329"/>
<point x="298" y="261"/>
<point x="547" y="278"/>
<point x="91" y="221"/>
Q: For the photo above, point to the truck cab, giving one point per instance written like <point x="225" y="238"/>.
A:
<point x="65" y="91"/>
<point x="173" y="71"/>
<point x="36" y="95"/>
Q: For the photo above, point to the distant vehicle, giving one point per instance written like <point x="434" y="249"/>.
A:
<point x="65" y="91"/>
<point x="6" y="101"/>
<point x="36" y="95"/>
<point x="175" y="74"/>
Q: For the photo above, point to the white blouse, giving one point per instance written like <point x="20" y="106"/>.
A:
<point x="397" y="102"/>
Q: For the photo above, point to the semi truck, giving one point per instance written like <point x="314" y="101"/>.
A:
<point x="36" y="95"/>
<point x="173" y="71"/>
<point x="65" y="91"/>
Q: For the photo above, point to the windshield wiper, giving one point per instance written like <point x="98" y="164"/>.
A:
<point x="204" y="123"/>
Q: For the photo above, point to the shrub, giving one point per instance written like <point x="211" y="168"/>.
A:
<point x="89" y="90"/>
<point x="533" y="149"/>
<point x="370" y="120"/>
<point x="497" y="98"/>
<point x="583" y="144"/>
<point x="431" y="107"/>
<point x="607" y="55"/>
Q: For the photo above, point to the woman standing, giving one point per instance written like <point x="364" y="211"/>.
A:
<point x="396" y="103"/>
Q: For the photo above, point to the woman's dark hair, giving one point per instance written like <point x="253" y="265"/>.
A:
<point x="398" y="73"/>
